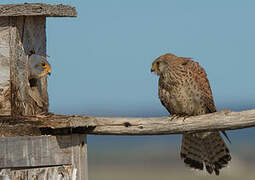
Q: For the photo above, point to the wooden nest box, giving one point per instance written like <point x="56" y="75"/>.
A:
<point x="22" y="33"/>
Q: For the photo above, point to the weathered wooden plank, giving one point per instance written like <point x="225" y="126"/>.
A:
<point x="26" y="34"/>
<point x="34" y="34"/>
<point x="49" y="173"/>
<point x="80" y="161"/>
<point x="36" y="151"/>
<point x="61" y="124"/>
<point x="37" y="9"/>
<point x="44" y="157"/>
<point x="17" y="69"/>
<point x="5" y="99"/>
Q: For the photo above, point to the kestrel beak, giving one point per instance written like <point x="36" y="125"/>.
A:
<point x="153" y="67"/>
<point x="48" y="70"/>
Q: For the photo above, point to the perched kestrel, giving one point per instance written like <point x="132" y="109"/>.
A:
<point x="184" y="90"/>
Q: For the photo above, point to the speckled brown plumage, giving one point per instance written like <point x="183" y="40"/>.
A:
<point x="185" y="90"/>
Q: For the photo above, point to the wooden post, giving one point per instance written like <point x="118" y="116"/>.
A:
<point x="22" y="32"/>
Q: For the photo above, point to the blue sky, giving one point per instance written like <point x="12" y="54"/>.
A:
<point x="101" y="59"/>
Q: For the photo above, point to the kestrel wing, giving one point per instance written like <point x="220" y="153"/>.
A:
<point x="200" y="77"/>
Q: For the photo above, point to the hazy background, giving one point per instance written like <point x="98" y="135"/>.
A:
<point x="101" y="66"/>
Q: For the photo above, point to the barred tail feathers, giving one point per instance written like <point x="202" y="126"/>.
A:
<point x="205" y="149"/>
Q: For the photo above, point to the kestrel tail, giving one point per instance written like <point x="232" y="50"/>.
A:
<point x="185" y="90"/>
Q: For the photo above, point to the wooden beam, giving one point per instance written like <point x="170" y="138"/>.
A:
<point x="62" y="124"/>
<point x="37" y="9"/>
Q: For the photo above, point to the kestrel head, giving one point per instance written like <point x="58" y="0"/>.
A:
<point x="39" y="66"/>
<point x="161" y="64"/>
<point x="166" y="61"/>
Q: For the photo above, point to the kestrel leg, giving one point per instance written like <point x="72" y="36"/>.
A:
<point x="184" y="116"/>
<point x="173" y="116"/>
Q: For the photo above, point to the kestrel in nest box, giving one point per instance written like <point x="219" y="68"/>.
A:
<point x="39" y="68"/>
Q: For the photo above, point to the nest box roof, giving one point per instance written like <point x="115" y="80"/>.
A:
<point x="37" y="9"/>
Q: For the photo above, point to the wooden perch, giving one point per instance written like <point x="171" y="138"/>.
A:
<point x="37" y="9"/>
<point x="62" y="124"/>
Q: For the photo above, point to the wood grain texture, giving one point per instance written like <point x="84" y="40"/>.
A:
<point x="5" y="98"/>
<point x="26" y="34"/>
<point x="17" y="68"/>
<point x="63" y="124"/>
<point x="37" y="9"/>
<point x="44" y="157"/>
<point x="36" y="151"/>
<point x="79" y="154"/>
<point x="49" y="173"/>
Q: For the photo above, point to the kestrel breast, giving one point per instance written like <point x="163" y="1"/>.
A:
<point x="182" y="98"/>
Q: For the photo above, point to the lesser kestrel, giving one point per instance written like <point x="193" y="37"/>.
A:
<point x="39" y="66"/>
<point x="184" y="90"/>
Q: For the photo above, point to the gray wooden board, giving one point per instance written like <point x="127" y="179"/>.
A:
<point x="37" y="9"/>
<point x="80" y="156"/>
<point x="44" y="157"/>
<point x="35" y="151"/>
<point x="18" y="69"/>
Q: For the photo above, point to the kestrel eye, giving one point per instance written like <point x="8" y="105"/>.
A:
<point x="44" y="65"/>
